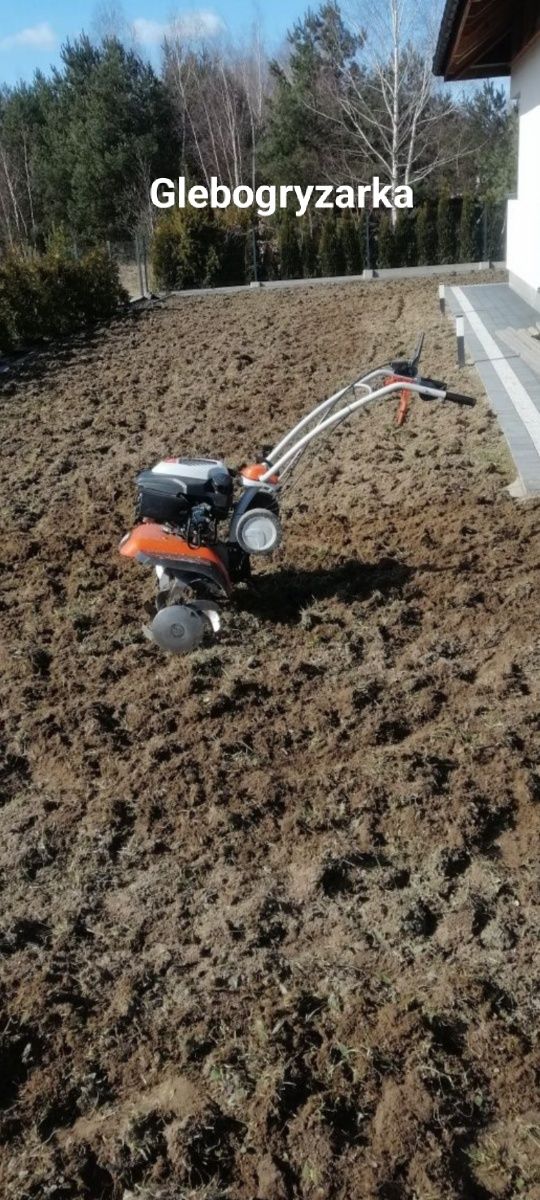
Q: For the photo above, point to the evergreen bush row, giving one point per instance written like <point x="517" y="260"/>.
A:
<point x="195" y="248"/>
<point x="56" y="293"/>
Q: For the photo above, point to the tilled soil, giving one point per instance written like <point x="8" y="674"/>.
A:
<point x="268" y="923"/>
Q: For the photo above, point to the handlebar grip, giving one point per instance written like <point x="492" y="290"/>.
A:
<point x="457" y="398"/>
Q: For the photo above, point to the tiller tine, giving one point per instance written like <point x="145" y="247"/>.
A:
<point x="179" y="628"/>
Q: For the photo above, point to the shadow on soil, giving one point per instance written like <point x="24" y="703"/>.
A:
<point x="281" y="596"/>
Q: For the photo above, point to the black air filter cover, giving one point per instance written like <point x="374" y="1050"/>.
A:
<point x="162" y="498"/>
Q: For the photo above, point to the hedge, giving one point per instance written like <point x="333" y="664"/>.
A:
<point x="55" y="294"/>
<point x="191" y="248"/>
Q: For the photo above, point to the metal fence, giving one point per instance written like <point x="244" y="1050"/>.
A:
<point x="256" y="255"/>
<point x="134" y="266"/>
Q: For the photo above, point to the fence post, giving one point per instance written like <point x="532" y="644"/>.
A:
<point x="139" y="263"/>
<point x="145" y="266"/>
<point x="254" y="251"/>
<point x="485" y="254"/>
<point x="460" y="337"/>
<point x="442" y="298"/>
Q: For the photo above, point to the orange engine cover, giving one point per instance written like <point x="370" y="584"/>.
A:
<point x="152" y="544"/>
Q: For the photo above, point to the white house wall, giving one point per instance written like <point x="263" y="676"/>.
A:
<point x="523" y="236"/>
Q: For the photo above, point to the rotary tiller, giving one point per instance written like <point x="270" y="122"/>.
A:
<point x="199" y="523"/>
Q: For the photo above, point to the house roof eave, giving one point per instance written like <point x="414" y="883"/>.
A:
<point x="452" y="12"/>
<point x="479" y="38"/>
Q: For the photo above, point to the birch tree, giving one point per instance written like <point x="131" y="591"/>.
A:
<point x="254" y="71"/>
<point x="212" y="109"/>
<point x="220" y="94"/>
<point x="384" y="103"/>
<point x="17" y="212"/>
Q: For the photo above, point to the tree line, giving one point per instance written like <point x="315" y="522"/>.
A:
<point x="346" y="98"/>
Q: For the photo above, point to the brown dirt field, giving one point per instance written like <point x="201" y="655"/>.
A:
<point x="268" y="914"/>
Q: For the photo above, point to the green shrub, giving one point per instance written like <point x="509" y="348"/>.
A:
<point x="331" y="249"/>
<point x="213" y="268"/>
<point x="385" y="242"/>
<point x="404" y="241"/>
<point x="55" y="294"/>
<point x="353" y="254"/>
<point x="467" y="242"/>
<point x="233" y="253"/>
<point x="446" y="230"/>
<point x="426" y="235"/>
<point x="192" y="248"/>
<point x="289" y="248"/>
<point x="7" y="331"/>
<point x="181" y="244"/>
<point x="493" y="225"/>
<point x="269" y="260"/>
<point x="251" y="257"/>
<point x="365" y="234"/>
<point x="309" y="252"/>
<point x="170" y="248"/>
<point x="21" y="301"/>
<point x="79" y="291"/>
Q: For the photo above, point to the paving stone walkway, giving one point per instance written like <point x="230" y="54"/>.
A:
<point x="499" y="339"/>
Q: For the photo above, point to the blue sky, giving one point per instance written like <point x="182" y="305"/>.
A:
<point x="32" y="32"/>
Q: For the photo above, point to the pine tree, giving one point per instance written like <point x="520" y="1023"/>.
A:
<point x="289" y="248"/>
<point x="491" y="132"/>
<point x="107" y="127"/>
<point x="467" y="247"/>
<point x="320" y="46"/>
<point x="446" y="230"/>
